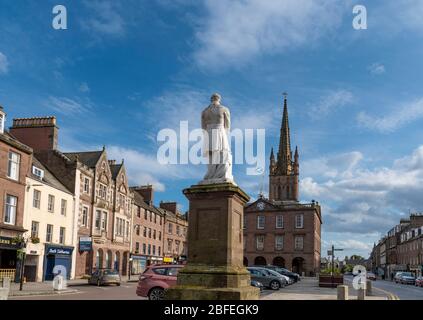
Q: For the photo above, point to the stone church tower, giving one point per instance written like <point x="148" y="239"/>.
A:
<point x="284" y="171"/>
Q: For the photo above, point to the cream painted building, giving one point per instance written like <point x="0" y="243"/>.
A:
<point x="50" y="219"/>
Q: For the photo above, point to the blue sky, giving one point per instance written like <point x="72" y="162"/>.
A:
<point x="126" y="69"/>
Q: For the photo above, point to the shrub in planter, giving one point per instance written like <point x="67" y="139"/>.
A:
<point x="35" y="240"/>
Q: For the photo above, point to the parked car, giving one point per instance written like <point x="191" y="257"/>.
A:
<point x="419" y="282"/>
<point x="397" y="277"/>
<point x="407" y="278"/>
<point x="257" y="284"/>
<point x="102" y="277"/>
<point x="371" y="276"/>
<point x="156" y="279"/>
<point x="268" y="278"/>
<point x="294" y="276"/>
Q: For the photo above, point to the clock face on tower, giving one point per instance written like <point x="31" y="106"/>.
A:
<point x="260" y="206"/>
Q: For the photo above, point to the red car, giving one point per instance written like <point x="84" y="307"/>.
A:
<point x="155" y="279"/>
<point x="419" y="282"/>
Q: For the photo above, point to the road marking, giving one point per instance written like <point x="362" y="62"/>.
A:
<point x="390" y="295"/>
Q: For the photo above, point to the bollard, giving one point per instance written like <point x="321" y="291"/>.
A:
<point x="361" y="294"/>
<point x="6" y="283"/>
<point x="368" y="288"/>
<point x="343" y="292"/>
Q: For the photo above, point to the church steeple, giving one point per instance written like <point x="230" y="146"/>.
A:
<point x="284" y="172"/>
<point x="285" y="153"/>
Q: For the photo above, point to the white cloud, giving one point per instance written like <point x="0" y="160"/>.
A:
<point x="377" y="68"/>
<point x="68" y="106"/>
<point x="399" y="117"/>
<point x="145" y="169"/>
<point x="235" y="31"/>
<point x="330" y="103"/>
<point x="84" y="87"/>
<point x="358" y="200"/>
<point x="4" y="64"/>
<point x="105" y="19"/>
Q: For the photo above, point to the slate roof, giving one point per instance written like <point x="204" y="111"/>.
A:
<point x="139" y="201"/>
<point x="48" y="178"/>
<point x="115" y="168"/>
<point x="89" y="158"/>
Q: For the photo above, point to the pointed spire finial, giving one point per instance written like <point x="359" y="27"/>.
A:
<point x="272" y="155"/>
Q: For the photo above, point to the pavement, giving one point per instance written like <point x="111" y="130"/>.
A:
<point x="308" y="289"/>
<point x="74" y="287"/>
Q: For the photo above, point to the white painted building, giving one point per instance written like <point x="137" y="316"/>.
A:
<point x="50" y="219"/>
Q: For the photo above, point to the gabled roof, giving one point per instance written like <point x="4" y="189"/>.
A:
<point x="89" y="158"/>
<point x="267" y="204"/>
<point x="115" y="169"/>
<point x="48" y="178"/>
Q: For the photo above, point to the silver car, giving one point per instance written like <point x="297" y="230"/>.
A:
<point x="104" y="276"/>
<point x="268" y="278"/>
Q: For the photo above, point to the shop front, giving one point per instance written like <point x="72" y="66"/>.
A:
<point x="138" y="264"/>
<point x="57" y="259"/>
<point x="8" y="257"/>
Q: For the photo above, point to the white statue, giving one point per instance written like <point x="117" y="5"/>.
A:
<point x="216" y="123"/>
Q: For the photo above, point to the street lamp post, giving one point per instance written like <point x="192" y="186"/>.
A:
<point x="22" y="245"/>
<point x="333" y="261"/>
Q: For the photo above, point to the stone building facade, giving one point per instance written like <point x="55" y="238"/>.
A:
<point x="148" y="234"/>
<point x="175" y="232"/>
<point x="403" y="247"/>
<point x="281" y="230"/>
<point x="15" y="164"/>
<point x="103" y="200"/>
<point x="50" y="220"/>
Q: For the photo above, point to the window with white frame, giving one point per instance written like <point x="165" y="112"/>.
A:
<point x="261" y="220"/>
<point x="260" y="242"/>
<point x="279" y="242"/>
<point x="102" y="192"/>
<point x="63" y="207"/>
<point x="299" y="221"/>
<point x="62" y="235"/>
<point x="10" y="210"/>
<point x="279" y="222"/>
<point x="84" y="217"/>
<point x="35" y="227"/>
<point x="36" y="202"/>
<point x="170" y="228"/>
<point x="49" y="233"/>
<point x="86" y="185"/>
<point x="299" y="242"/>
<point x="98" y="219"/>
<point x="104" y="221"/>
<point x="50" y="206"/>
<point x="13" y="166"/>
<point x="39" y="173"/>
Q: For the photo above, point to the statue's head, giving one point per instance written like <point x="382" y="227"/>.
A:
<point x="215" y="98"/>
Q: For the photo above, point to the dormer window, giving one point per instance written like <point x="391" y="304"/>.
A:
<point x="39" y="173"/>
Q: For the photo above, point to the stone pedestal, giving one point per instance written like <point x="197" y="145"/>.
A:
<point x="215" y="268"/>
<point x="361" y="294"/>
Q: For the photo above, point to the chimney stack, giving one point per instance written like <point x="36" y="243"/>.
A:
<point x="170" y="206"/>
<point x="39" y="133"/>
<point x="147" y="192"/>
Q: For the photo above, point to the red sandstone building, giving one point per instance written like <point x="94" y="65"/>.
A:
<point x="103" y="200"/>
<point x="175" y="233"/>
<point x="281" y="230"/>
<point x="148" y="221"/>
<point x="15" y="164"/>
